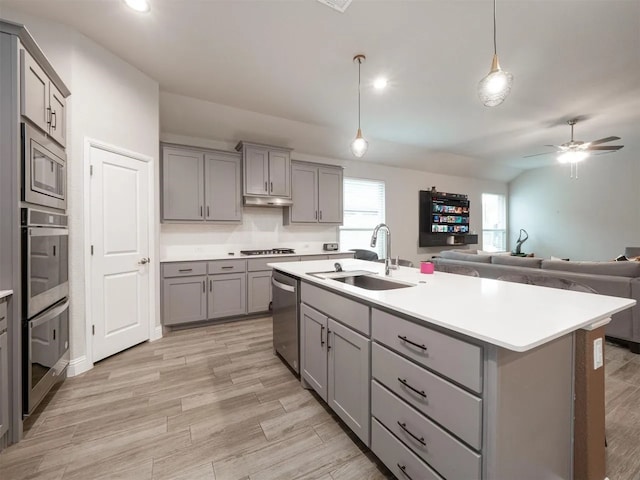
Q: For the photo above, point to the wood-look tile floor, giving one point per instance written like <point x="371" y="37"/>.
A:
<point x="205" y="403"/>
<point x="214" y="403"/>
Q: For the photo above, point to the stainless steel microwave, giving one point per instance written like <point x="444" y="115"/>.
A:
<point x="44" y="170"/>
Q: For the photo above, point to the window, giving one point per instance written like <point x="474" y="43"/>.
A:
<point x="494" y="224"/>
<point x="363" y="210"/>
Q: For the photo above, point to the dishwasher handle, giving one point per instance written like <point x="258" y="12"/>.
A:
<point x="282" y="286"/>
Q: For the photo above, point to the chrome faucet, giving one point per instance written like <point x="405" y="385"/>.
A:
<point x="374" y="238"/>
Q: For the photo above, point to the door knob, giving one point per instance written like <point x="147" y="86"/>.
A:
<point x="144" y="261"/>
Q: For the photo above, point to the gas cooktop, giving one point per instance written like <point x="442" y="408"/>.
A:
<point x="271" y="251"/>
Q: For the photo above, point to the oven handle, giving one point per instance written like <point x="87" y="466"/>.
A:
<point x="49" y="314"/>
<point x="282" y="286"/>
<point x="47" y="232"/>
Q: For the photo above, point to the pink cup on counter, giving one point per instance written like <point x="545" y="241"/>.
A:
<point x="426" y="267"/>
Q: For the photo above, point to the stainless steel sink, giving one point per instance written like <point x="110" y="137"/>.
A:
<point x="341" y="274"/>
<point x="371" y="282"/>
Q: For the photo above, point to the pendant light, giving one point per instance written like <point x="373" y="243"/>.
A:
<point x="495" y="87"/>
<point x="359" y="145"/>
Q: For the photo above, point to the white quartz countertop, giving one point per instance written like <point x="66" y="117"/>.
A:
<point x="194" y="257"/>
<point x="514" y="316"/>
<point x="5" y="293"/>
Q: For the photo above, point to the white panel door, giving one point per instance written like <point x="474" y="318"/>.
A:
<point x="120" y="239"/>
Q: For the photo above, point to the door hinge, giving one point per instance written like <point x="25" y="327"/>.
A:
<point x="90" y="169"/>
<point x="93" y="329"/>
<point x="91" y="249"/>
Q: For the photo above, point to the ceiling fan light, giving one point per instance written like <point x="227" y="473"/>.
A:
<point x="359" y="145"/>
<point x="573" y="156"/>
<point x="141" y="6"/>
<point x="495" y="87"/>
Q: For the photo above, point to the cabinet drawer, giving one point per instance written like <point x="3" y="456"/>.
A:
<point x="184" y="269"/>
<point x="258" y="264"/>
<point x="455" y="409"/>
<point x="403" y="463"/>
<point x="453" y="358"/>
<point x="227" y="266"/>
<point x="431" y="443"/>
<point x="3" y="315"/>
<point x="337" y="256"/>
<point x="352" y="314"/>
<point x="307" y="258"/>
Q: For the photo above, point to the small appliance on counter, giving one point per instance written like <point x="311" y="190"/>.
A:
<point x="330" y="247"/>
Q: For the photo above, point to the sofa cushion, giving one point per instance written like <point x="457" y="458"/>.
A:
<point x="467" y="257"/>
<point x="530" y="262"/>
<point x="618" y="269"/>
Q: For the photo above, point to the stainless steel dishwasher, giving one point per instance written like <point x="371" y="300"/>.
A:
<point x="285" y="318"/>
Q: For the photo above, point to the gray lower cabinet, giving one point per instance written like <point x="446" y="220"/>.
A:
<point x="335" y="363"/>
<point x="316" y="193"/>
<point x="4" y="385"/>
<point x="258" y="291"/>
<point x="200" y="185"/>
<point x="227" y="295"/>
<point x="184" y="299"/>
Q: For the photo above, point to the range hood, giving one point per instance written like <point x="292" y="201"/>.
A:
<point x="267" y="201"/>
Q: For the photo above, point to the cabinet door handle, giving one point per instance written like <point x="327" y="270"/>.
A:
<point x="54" y="333"/>
<point x="320" y="214"/>
<point x="266" y="188"/>
<point x="321" y="338"/>
<point x="403" y="426"/>
<point x="271" y="191"/>
<point x="328" y="333"/>
<point x="48" y="115"/>
<point x="316" y="214"/>
<point x="203" y="287"/>
<point x="201" y="210"/>
<point x="405" y="339"/>
<point x="419" y="392"/>
<point x="403" y="470"/>
<point x="211" y="285"/>
<point x="53" y="117"/>
<point x="207" y="211"/>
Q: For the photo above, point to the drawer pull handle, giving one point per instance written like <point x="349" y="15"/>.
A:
<point x="229" y="267"/>
<point x="186" y="270"/>
<point x="405" y="339"/>
<point x="419" y="392"/>
<point x="403" y="470"/>
<point x="403" y="426"/>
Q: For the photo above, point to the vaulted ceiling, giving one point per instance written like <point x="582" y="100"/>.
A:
<point x="290" y="62"/>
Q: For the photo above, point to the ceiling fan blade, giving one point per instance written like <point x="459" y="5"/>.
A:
<point x="604" y="140"/>
<point x="538" y="154"/>
<point x="609" y="147"/>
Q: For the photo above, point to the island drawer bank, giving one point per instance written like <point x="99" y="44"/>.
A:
<point x="620" y="279"/>
<point x="498" y="403"/>
<point x="196" y="291"/>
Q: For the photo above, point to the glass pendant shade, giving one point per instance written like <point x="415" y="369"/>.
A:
<point x="495" y="87"/>
<point x="573" y="156"/>
<point x="359" y="145"/>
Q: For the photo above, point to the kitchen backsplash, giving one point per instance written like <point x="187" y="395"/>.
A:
<point x="260" y="228"/>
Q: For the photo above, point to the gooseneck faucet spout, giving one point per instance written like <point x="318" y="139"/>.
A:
<point x="374" y="239"/>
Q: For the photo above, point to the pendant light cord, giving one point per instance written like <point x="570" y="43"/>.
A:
<point x="495" y="48"/>
<point x="359" y="63"/>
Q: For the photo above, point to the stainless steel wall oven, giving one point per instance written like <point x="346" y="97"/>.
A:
<point x="45" y="307"/>
<point x="44" y="177"/>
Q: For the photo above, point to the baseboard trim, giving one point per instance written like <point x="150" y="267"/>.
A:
<point x="79" y="365"/>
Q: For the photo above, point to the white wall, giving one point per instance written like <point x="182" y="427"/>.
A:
<point x="262" y="227"/>
<point x="112" y="102"/>
<point x="593" y="217"/>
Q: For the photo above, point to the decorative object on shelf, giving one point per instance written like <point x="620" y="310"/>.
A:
<point x="495" y="87"/>
<point x="359" y="145"/>
<point x="520" y="241"/>
<point x="575" y="151"/>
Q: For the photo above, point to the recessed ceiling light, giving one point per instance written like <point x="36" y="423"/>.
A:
<point x="380" y="83"/>
<point x="141" y="6"/>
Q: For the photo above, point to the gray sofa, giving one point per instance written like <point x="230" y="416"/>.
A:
<point x="618" y="279"/>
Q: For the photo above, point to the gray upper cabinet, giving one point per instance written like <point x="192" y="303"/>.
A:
<point x="40" y="100"/>
<point x="223" y="184"/>
<point x="267" y="170"/>
<point x="200" y="185"/>
<point x="182" y="184"/>
<point x="316" y="194"/>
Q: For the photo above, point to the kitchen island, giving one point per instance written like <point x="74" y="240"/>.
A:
<point x="451" y="376"/>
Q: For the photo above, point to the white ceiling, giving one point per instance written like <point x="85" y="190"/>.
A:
<point x="292" y="59"/>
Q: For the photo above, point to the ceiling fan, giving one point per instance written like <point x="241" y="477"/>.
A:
<point x="575" y="151"/>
